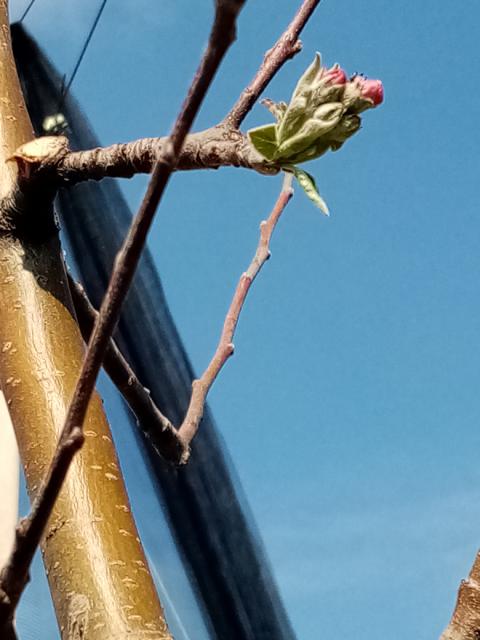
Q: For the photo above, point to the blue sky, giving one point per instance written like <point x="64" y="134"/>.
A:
<point x="351" y="408"/>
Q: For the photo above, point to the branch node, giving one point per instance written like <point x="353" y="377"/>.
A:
<point x="75" y="439"/>
<point x="285" y="48"/>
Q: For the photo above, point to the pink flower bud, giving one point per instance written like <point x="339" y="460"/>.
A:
<point x="335" y="75"/>
<point x="371" y="89"/>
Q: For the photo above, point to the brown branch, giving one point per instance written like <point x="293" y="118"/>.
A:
<point x="201" y="387"/>
<point x="153" y="423"/>
<point x="220" y="146"/>
<point x="210" y="149"/>
<point x="14" y="576"/>
<point x="170" y="443"/>
<point x="465" y="622"/>
<point x="173" y="444"/>
<point x="285" y="48"/>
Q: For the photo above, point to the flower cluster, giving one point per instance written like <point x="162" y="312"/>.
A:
<point x="323" y="112"/>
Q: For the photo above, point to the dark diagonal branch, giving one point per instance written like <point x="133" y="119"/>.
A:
<point x="156" y="426"/>
<point x="285" y="48"/>
<point x="14" y="576"/>
<point x="201" y="387"/>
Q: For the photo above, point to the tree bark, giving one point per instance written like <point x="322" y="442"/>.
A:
<point x="97" y="571"/>
<point x="465" y="622"/>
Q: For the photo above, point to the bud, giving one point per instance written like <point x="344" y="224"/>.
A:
<point x="322" y="113"/>
<point x="372" y="90"/>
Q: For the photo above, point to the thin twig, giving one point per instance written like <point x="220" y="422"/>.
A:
<point x="15" y="574"/>
<point x="285" y="48"/>
<point x="153" y="423"/>
<point x="201" y="387"/>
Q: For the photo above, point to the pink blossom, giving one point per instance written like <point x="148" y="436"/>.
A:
<point x="335" y="75"/>
<point x="371" y="89"/>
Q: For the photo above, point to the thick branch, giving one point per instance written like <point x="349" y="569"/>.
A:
<point x="285" y="48"/>
<point x="157" y="427"/>
<point x="201" y="387"/>
<point x="210" y="149"/>
<point x="31" y="530"/>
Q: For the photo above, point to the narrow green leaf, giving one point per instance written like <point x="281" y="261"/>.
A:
<point x="264" y="139"/>
<point x="309" y="76"/>
<point x="310" y="132"/>
<point x="308" y="184"/>
<point x="293" y="119"/>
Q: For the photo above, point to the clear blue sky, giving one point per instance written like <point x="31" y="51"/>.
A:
<point x="351" y="408"/>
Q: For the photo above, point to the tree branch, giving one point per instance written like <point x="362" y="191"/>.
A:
<point x="14" y="576"/>
<point x="154" y="424"/>
<point x="285" y="48"/>
<point x="210" y="149"/>
<point x="465" y="622"/>
<point x="170" y="443"/>
<point x="220" y="146"/>
<point x="201" y="387"/>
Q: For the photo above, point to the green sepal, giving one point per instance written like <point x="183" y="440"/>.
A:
<point x="309" y="76"/>
<point x="293" y="118"/>
<point x="296" y="112"/>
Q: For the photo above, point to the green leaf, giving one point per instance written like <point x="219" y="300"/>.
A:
<point x="293" y="118"/>
<point x="311" y="153"/>
<point x="307" y="182"/>
<point x="311" y="131"/>
<point x="264" y="139"/>
<point x="308" y="78"/>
